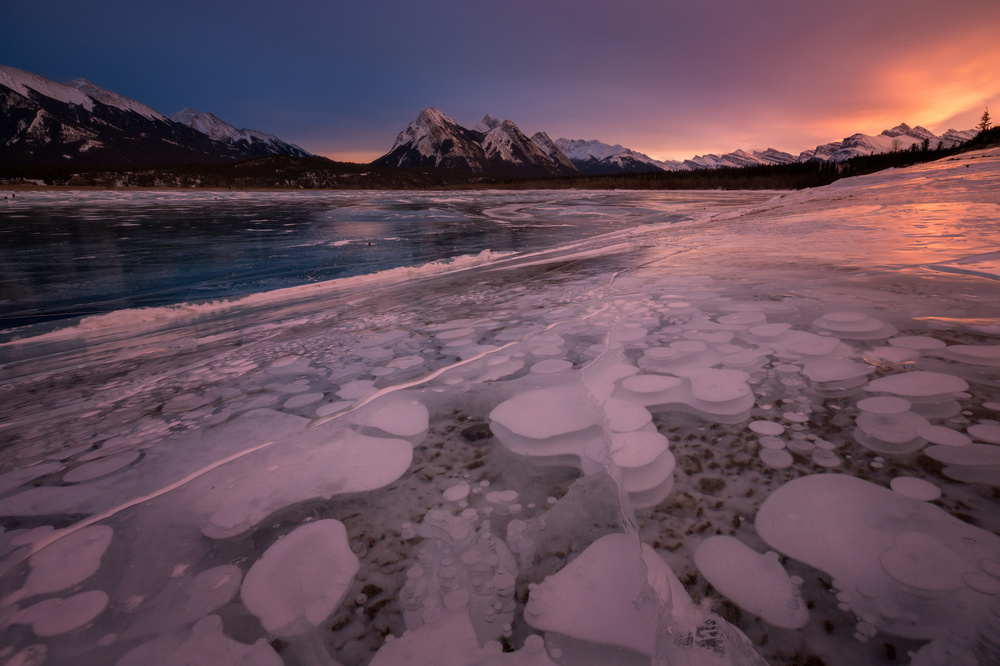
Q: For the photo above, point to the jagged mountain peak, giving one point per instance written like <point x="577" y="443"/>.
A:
<point x="434" y="139"/>
<point x="486" y="124"/>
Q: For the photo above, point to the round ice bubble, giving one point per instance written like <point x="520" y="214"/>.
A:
<point x="767" y="428"/>
<point x="985" y="432"/>
<point x="917" y="342"/>
<point x="776" y="458"/>
<point x="915" y="488"/>
<point x="918" y="384"/>
<point x="943" y="435"/>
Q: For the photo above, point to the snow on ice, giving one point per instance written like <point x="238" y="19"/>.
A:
<point x="767" y="434"/>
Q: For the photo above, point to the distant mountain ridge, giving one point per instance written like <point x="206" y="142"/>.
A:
<point x="495" y="147"/>
<point x="251" y="140"/>
<point x="45" y="123"/>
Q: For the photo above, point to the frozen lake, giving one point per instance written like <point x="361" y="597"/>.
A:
<point x="67" y="255"/>
<point x="767" y="431"/>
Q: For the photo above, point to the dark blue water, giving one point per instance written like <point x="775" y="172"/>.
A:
<point x="64" y="255"/>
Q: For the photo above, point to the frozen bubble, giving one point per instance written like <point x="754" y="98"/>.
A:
<point x="551" y="366"/>
<point x="776" y="458"/>
<point x="995" y="406"/>
<point x="885" y="405"/>
<point x="457" y="492"/>
<point x="770" y="442"/>
<point x="719" y="386"/>
<point x="942" y="435"/>
<point x="688" y="346"/>
<point x="755" y="582"/>
<point x="767" y="428"/>
<point x="890" y="355"/>
<point x="593" y="598"/>
<point x="359" y="388"/>
<point x="548" y="412"/>
<point x="302" y="400"/>
<point x="406" y="362"/>
<point x="917" y="342"/>
<point x="101" y="467"/>
<point x="333" y="407"/>
<point x="636" y="450"/>
<point x="456" y="333"/>
<point x="802" y="446"/>
<point x="985" y="432"/>
<point x="973" y="454"/>
<point x="625" y="415"/>
<point x="837" y="373"/>
<point x="854" y="326"/>
<point x="921" y="561"/>
<point x="768" y="331"/>
<point x="24" y="537"/>
<point x="68" y="561"/>
<point x="206" y="644"/>
<point x="742" y="318"/>
<point x="399" y="416"/>
<point x="645" y="384"/>
<point x="981" y="582"/>
<point x="548" y="350"/>
<point x="988" y="355"/>
<point x="809" y="345"/>
<point x="796" y="417"/>
<point x="283" y="362"/>
<point x="56" y="616"/>
<point x="992" y="567"/>
<point x="918" y="384"/>
<point x="826" y="458"/>
<point x="916" y="489"/>
<point x="319" y="559"/>
<point x="629" y="333"/>
<point x="744" y="358"/>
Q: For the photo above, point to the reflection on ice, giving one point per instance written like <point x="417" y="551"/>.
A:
<point x="740" y="439"/>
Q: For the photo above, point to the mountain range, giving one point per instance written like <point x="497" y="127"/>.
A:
<point x="45" y="123"/>
<point x="491" y="146"/>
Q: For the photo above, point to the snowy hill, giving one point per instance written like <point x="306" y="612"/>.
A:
<point x="900" y="137"/>
<point x="48" y="123"/>
<point x="251" y="140"/>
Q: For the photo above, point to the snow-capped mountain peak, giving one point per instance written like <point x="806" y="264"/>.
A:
<point x="109" y="98"/>
<point x="219" y="130"/>
<point x="596" y="157"/>
<point x="434" y="139"/>
<point x="46" y="122"/>
<point x="24" y="83"/>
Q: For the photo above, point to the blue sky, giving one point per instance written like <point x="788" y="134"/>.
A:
<point x="669" y="78"/>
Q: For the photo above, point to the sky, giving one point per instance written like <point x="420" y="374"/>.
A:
<point x="669" y="78"/>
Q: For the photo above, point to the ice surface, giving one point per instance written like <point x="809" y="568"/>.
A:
<point x="478" y="426"/>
